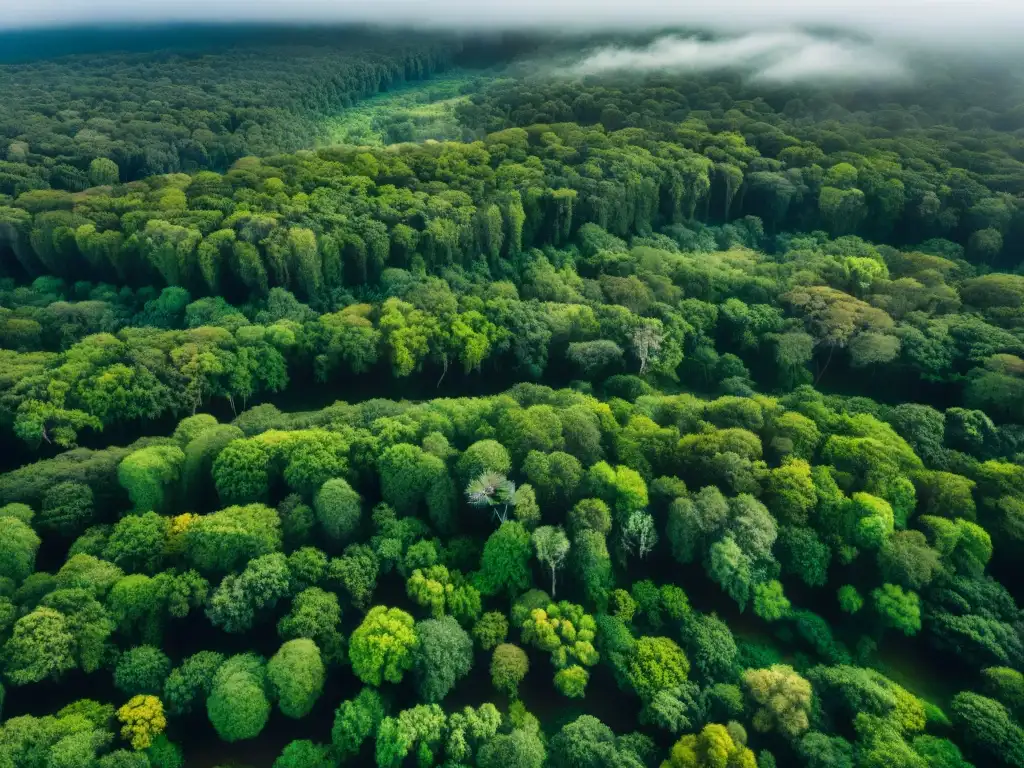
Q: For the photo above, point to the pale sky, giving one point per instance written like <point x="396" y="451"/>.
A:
<point x="974" y="24"/>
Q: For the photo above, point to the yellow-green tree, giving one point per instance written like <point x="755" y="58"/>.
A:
<point x="142" y="719"/>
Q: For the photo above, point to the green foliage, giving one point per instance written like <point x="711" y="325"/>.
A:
<point x="296" y="675"/>
<point x="239" y="599"/>
<point x="657" y="664"/>
<point x="443" y="656"/>
<point x="67" y="508"/>
<point x="517" y="749"/>
<point x="770" y="602"/>
<point x="226" y="540"/>
<point x="41" y="646"/>
<point x="142" y="721"/>
<point x="988" y="726"/>
<point x="191" y="682"/>
<point x="509" y="665"/>
<point x="18" y="547"/>
<point x="238" y="706"/>
<point x="504" y="566"/>
<point x="490" y="630"/>
<point x="783" y="698"/>
<point x="382" y="648"/>
<point x="142" y="670"/>
<point x="164" y="753"/>
<point x="138" y="542"/>
<point x="898" y="609"/>
<point x="315" y="615"/>
<point x="850" y="599"/>
<point x="301" y="753"/>
<point x="714" y="745"/>
<point x="676" y="229"/>
<point x="148" y="474"/>
<point x="356" y="720"/>
<point x="338" y="509"/>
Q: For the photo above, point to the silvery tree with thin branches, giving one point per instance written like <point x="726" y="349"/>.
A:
<point x="493" y="491"/>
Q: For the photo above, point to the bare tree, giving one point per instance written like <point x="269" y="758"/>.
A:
<point x="552" y="546"/>
<point x="647" y="340"/>
<point x="492" y="491"/>
<point x="639" y="534"/>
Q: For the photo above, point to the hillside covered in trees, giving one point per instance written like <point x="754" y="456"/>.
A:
<point x="562" y="420"/>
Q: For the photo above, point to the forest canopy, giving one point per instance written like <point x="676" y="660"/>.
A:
<point x="549" y="419"/>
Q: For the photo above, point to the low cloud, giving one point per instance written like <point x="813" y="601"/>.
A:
<point x="976" y="25"/>
<point x="773" y="57"/>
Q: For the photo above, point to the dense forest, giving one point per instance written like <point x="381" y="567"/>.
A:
<point x="399" y="399"/>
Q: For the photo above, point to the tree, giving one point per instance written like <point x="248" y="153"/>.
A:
<point x="554" y="476"/>
<point x="693" y="523"/>
<point x="241" y="472"/>
<point x="505" y="564"/>
<point x="819" y="750"/>
<point x="357" y="572"/>
<point x="142" y="720"/>
<point x="226" y="540"/>
<point x="483" y="456"/>
<point x="420" y="727"/>
<point x="88" y="622"/>
<point x="163" y="753"/>
<point x="443" y="656"/>
<point x="239" y="599"/>
<point x="238" y="707"/>
<point x="191" y="681"/>
<point x="552" y="547"/>
<point x="898" y="608"/>
<point x="407" y="473"/>
<point x="148" y="474"/>
<point x="592" y="565"/>
<point x="572" y="681"/>
<point x="382" y="648"/>
<point x="907" y="560"/>
<point x="142" y="670"/>
<point x="492" y="491"/>
<point x="296" y="674"/>
<point x="585" y="741"/>
<point x="469" y="728"/>
<point x="790" y="492"/>
<point x="657" y="664"/>
<point x="590" y="514"/>
<point x="784" y="698"/>
<point x="639" y="536"/>
<point x="509" y="665"/>
<point x="303" y="753"/>
<point x="770" y="602"/>
<point x="1006" y="685"/>
<point x="594" y="359"/>
<point x="988" y="726"/>
<point x="731" y="568"/>
<point x="802" y="553"/>
<point x="103" y="171"/>
<point x="18" y="547"/>
<point x="356" y="720"/>
<point x="490" y="630"/>
<point x="716" y="745"/>
<point x="40" y="646"/>
<point x="518" y="749"/>
<point x="138" y="542"/>
<point x="711" y="645"/>
<point x="338" y="509"/>
<point x="67" y="508"/>
<point x="316" y="615"/>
